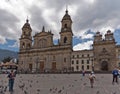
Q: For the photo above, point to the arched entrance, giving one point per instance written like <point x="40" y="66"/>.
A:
<point x="104" y="66"/>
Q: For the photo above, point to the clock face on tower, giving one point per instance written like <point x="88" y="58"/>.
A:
<point x="65" y="29"/>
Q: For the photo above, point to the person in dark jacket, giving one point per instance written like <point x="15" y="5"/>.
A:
<point x="115" y="73"/>
<point x="11" y="77"/>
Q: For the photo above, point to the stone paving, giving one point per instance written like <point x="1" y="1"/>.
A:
<point x="59" y="84"/>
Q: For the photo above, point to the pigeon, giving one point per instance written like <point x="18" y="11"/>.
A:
<point x="59" y="91"/>
<point x="98" y="92"/>
<point x="84" y="84"/>
<point x="38" y="90"/>
<point x="25" y="92"/>
<point x="5" y="89"/>
<point x="50" y="89"/>
<point x="22" y="86"/>
<point x="114" y="93"/>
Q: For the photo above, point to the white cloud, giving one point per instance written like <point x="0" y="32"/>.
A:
<point x="83" y="46"/>
<point x="2" y="40"/>
<point x="15" y="45"/>
<point x="97" y="15"/>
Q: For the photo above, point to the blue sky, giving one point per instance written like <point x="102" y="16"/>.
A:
<point x="88" y="16"/>
<point x="76" y="40"/>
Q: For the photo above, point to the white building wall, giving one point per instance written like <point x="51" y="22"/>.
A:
<point x="80" y="59"/>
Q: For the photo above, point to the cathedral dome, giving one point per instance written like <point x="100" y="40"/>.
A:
<point x="66" y="16"/>
<point x="27" y="25"/>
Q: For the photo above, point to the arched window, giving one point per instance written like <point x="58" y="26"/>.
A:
<point x="28" y="45"/>
<point x="65" y="39"/>
<point x="23" y="45"/>
<point x="24" y="33"/>
<point x="65" y="25"/>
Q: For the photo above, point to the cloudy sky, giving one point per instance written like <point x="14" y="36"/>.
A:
<point x="89" y="16"/>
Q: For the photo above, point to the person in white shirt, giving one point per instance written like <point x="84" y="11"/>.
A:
<point x="92" y="78"/>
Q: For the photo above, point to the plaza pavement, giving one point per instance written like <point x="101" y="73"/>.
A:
<point x="59" y="84"/>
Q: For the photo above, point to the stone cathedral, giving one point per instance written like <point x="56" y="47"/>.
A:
<point x="39" y="53"/>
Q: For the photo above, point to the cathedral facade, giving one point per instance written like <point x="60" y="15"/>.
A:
<point x="104" y="56"/>
<point x="42" y="55"/>
<point x="39" y="53"/>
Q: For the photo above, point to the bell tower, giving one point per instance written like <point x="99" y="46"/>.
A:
<point x="26" y="38"/>
<point x="66" y="30"/>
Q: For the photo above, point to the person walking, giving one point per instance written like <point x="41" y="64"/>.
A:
<point x="83" y="73"/>
<point x="115" y="74"/>
<point x="92" y="78"/>
<point x="11" y="77"/>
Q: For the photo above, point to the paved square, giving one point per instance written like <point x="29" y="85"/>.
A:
<point x="59" y="84"/>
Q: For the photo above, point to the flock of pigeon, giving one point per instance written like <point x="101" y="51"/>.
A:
<point x="58" y="84"/>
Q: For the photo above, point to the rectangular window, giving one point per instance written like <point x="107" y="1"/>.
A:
<point x="88" y="67"/>
<point x="82" y="61"/>
<point x="73" y="56"/>
<point x="72" y="62"/>
<point x="87" y="61"/>
<point x="77" y="67"/>
<point x="77" y="62"/>
<point x="82" y="67"/>
<point x="82" y="55"/>
<point x="64" y="59"/>
<point x="72" y="68"/>
<point x="88" y="55"/>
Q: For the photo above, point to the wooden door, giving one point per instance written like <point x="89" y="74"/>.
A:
<point x="54" y="66"/>
<point x="41" y="66"/>
<point x="30" y="67"/>
<point x="104" y="66"/>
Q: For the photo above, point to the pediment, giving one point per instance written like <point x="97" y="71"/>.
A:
<point x="43" y="34"/>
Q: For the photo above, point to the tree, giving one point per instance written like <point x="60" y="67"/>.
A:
<point x="6" y="59"/>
